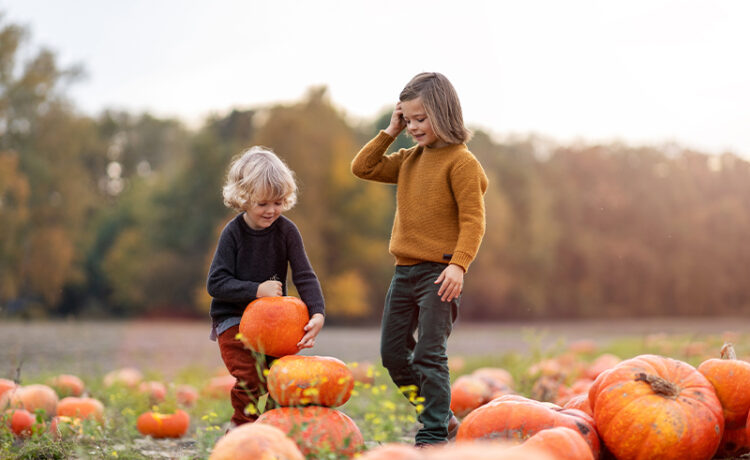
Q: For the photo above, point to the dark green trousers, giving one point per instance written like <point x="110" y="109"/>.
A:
<point x="412" y="304"/>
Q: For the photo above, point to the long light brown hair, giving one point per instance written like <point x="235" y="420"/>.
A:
<point x="441" y="103"/>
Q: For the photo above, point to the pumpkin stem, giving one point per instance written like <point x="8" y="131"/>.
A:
<point x="727" y="351"/>
<point x="659" y="385"/>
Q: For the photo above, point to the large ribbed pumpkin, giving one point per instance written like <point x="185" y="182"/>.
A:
<point x="255" y="441"/>
<point x="517" y="418"/>
<point x="653" y="407"/>
<point x="303" y="380"/>
<point x="316" y="429"/>
<point x="274" y="325"/>
<point x="731" y="380"/>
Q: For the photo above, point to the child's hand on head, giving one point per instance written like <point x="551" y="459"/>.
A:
<point x="397" y="122"/>
<point x="270" y="288"/>
<point x="452" y="279"/>
<point x="312" y="328"/>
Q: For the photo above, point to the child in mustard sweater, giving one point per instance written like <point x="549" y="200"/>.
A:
<point x="437" y="230"/>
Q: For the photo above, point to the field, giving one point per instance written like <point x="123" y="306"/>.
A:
<point x="180" y="353"/>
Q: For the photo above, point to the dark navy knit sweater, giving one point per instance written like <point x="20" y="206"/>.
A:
<point x="245" y="258"/>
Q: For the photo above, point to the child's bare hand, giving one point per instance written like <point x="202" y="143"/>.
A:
<point x="312" y="328"/>
<point x="270" y="288"/>
<point x="397" y="122"/>
<point x="452" y="279"/>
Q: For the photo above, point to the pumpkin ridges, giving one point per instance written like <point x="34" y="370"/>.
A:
<point x="728" y="376"/>
<point x="627" y="411"/>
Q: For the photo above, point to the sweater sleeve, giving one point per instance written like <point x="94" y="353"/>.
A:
<point x="469" y="183"/>
<point x="303" y="275"/>
<point x="371" y="163"/>
<point x="222" y="282"/>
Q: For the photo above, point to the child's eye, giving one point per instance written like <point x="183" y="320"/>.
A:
<point x="421" y="119"/>
<point x="278" y="203"/>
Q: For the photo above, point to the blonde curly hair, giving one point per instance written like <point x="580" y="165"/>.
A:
<point x="257" y="175"/>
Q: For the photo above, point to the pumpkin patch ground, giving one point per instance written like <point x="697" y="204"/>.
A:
<point x="555" y="369"/>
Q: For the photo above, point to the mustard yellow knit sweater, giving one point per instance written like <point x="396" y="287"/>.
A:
<point x="439" y="200"/>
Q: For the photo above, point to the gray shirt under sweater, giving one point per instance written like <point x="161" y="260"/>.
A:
<point x="244" y="258"/>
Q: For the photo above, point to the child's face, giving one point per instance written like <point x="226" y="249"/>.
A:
<point x="262" y="214"/>
<point x="418" y="124"/>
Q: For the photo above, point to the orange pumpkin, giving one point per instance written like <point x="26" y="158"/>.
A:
<point x="580" y="402"/>
<point x="67" y="385"/>
<point x="601" y="364"/>
<point x="730" y="378"/>
<point x="392" y="451"/>
<point x="159" y="425"/>
<point x="6" y="385"/>
<point x="468" y="393"/>
<point x="155" y="390"/>
<point x="253" y="441"/>
<point x="219" y="386"/>
<point x="485" y="450"/>
<point x="733" y="444"/>
<point x="561" y="442"/>
<point x="81" y="408"/>
<point x="20" y="421"/>
<point x="274" y="325"/>
<point x="186" y="395"/>
<point x="517" y="418"/>
<point x="316" y="428"/>
<point x="33" y="397"/>
<point x="652" y="394"/>
<point x="302" y="380"/>
<point x="126" y="376"/>
<point x="496" y="377"/>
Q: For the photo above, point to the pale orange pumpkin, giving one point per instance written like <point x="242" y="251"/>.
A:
<point x="158" y="425"/>
<point x="362" y="371"/>
<point x="255" y="441"/>
<point x="155" y="390"/>
<point x="499" y="379"/>
<point x="303" y="380"/>
<point x="187" y="395"/>
<point x="126" y="376"/>
<point x="219" y="386"/>
<point x="67" y="385"/>
<point x="274" y="325"/>
<point x="729" y="377"/>
<point x="393" y="451"/>
<point x="601" y="364"/>
<point x="33" y="397"/>
<point x="6" y="385"/>
<point x="81" y="408"/>
<point x="467" y="393"/>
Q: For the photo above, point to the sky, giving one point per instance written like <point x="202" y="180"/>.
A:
<point x="640" y="72"/>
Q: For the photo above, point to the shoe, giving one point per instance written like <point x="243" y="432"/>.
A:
<point x="422" y="445"/>
<point x="453" y="425"/>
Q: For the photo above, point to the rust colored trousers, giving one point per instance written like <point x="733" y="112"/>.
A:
<point x="247" y="367"/>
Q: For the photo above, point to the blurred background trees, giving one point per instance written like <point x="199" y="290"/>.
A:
<point x="117" y="215"/>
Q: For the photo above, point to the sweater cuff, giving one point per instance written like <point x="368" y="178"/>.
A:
<point x="462" y="259"/>
<point x="316" y="309"/>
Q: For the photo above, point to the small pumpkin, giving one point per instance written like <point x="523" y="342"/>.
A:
<point x="653" y="394"/>
<point x="155" y="390"/>
<point x="468" y="393"/>
<point x="33" y="397"/>
<point x="303" y="380"/>
<point x="733" y="444"/>
<point x="274" y="325"/>
<point x="81" y="408"/>
<point x="497" y="378"/>
<point x="362" y="371"/>
<point x="561" y="442"/>
<point x="186" y="395"/>
<point x="517" y="418"/>
<point x="158" y="425"/>
<point x="6" y="385"/>
<point x="219" y="386"/>
<point x="20" y="421"/>
<point x="392" y="451"/>
<point x="67" y="385"/>
<point x="485" y="450"/>
<point x="316" y="428"/>
<point x="126" y="376"/>
<point x="580" y="402"/>
<point x="600" y="364"/>
<point x="253" y="441"/>
<point x="730" y="378"/>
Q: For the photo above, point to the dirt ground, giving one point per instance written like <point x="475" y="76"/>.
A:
<point x="95" y="347"/>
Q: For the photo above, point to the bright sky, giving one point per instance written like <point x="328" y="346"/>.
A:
<point x="640" y="71"/>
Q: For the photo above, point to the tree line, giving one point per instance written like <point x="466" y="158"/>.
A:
<point x="117" y="214"/>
